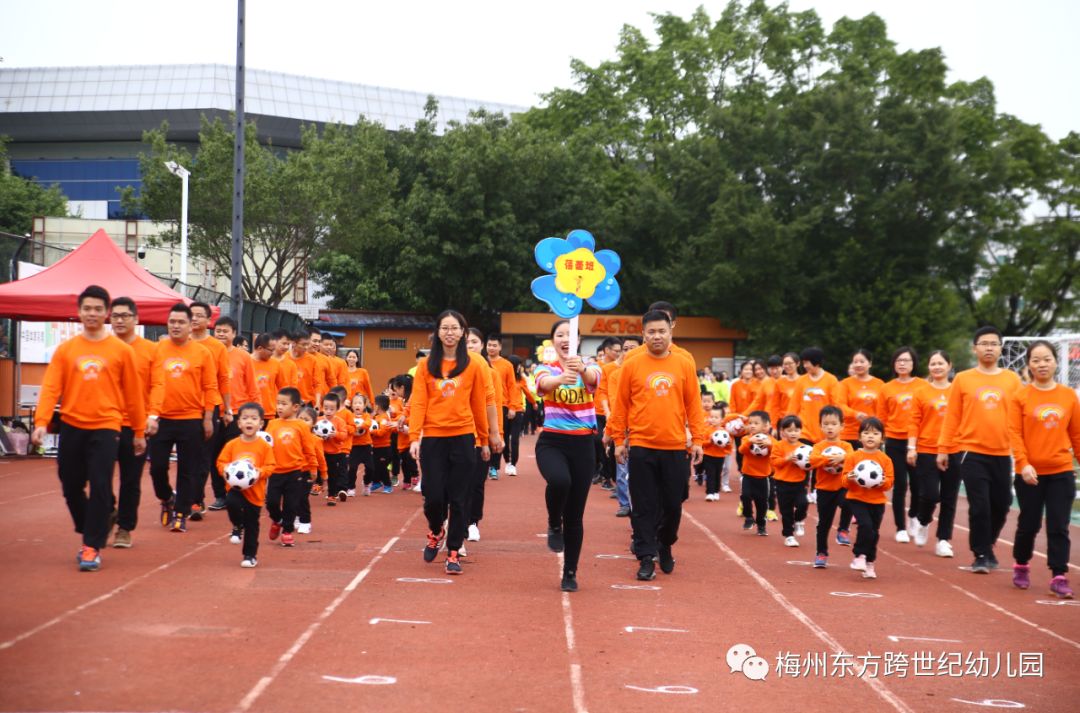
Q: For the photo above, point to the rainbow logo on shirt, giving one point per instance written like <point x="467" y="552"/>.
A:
<point x="660" y="382"/>
<point x="1049" y="415"/>
<point x="262" y="381"/>
<point x="814" y="393"/>
<point x="941" y="403"/>
<point x="285" y="435"/>
<point x="868" y="396"/>
<point x="989" y="396"/>
<point x="448" y="387"/>
<point x="91" y="367"/>
<point x="905" y="401"/>
<point x="176" y="366"/>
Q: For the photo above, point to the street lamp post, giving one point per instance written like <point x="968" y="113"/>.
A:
<point x="178" y="170"/>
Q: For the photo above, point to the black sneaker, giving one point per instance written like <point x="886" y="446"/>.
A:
<point x="453" y="566"/>
<point x="748" y="524"/>
<point x="667" y="562"/>
<point x="434" y="544"/>
<point x="569" y="582"/>
<point x="993" y="561"/>
<point x="218" y="504"/>
<point x="761" y="532"/>
<point x="623" y="511"/>
<point x="647" y="571"/>
<point x="555" y="540"/>
<point x="981" y="565"/>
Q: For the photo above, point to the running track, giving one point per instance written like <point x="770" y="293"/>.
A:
<point x="352" y="619"/>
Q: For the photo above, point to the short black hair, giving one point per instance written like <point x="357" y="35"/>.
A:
<point x="209" y="312"/>
<point x="292" y="394"/>
<point x="126" y="302"/>
<point x="610" y="342"/>
<point x="831" y="410"/>
<point x="332" y="398"/>
<point x="251" y="406"/>
<point x="181" y="307"/>
<point x="774" y="360"/>
<point x="494" y="337"/>
<point x="263" y="340"/>
<point x="666" y="307"/>
<point x="871" y="424"/>
<point x="96" y="292"/>
<point x="281" y="334"/>
<point x="227" y="322"/>
<point x="341" y="391"/>
<point x="814" y="355"/>
<point x="763" y="415"/>
<point x="383" y="402"/>
<point x="984" y="330"/>
<point x="655" y="315"/>
<point x="635" y="338"/>
<point x="419" y="354"/>
<point x="238" y="340"/>
<point x="718" y="406"/>
<point x="313" y="330"/>
<point x="299" y="334"/>
<point x="789" y="421"/>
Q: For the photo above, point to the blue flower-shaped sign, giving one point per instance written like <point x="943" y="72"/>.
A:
<point x="576" y="274"/>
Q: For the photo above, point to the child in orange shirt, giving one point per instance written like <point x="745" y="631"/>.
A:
<point x="790" y="479"/>
<point x="336" y="449"/>
<point x="294" y="458"/>
<point x="318" y="479"/>
<point x="383" y="430"/>
<point x="829" y="465"/>
<point x="360" y="455"/>
<point x="756" y="469"/>
<point x="867" y="504"/>
<point x="715" y="458"/>
<point x="245" y="506"/>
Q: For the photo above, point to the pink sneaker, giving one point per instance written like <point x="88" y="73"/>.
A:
<point x="1059" y="586"/>
<point x="287" y="539"/>
<point x="1021" y="576"/>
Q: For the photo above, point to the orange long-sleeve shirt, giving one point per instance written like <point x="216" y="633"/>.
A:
<point x="221" y="366"/>
<point x="358" y="381"/>
<point x="753" y="465"/>
<point x="743" y="394"/>
<point x="309" y="376"/>
<point x="98" y="382"/>
<point x="826" y="480"/>
<point x="613" y="391"/>
<point x="602" y="390"/>
<point x="491" y="399"/>
<point x="504" y="373"/>
<point x="1042" y="427"/>
<point x="784" y="469"/>
<point x="711" y="449"/>
<point x="289" y="372"/>
<point x="241" y="378"/>
<point x="977" y="417"/>
<point x="341" y="441"/>
<point x="854" y="396"/>
<point x="260" y="454"/>
<point x="294" y="446"/>
<point x="144" y="359"/>
<point x="927" y="415"/>
<point x="897" y="404"/>
<point x="809" y="396"/>
<point x="326" y="372"/>
<point x="269" y="380"/>
<point x="874" y="496"/>
<point x="340" y="367"/>
<point x="781" y="397"/>
<point x="763" y="395"/>
<point x="362" y="433"/>
<point x="380" y="437"/>
<point x="321" y="470"/>
<point x="183" y="380"/>
<point x="447" y="407"/>
<point x="658" y="398"/>
<point x="404" y="438"/>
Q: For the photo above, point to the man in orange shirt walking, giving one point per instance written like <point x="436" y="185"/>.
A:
<point x="94" y="375"/>
<point x="242" y="390"/>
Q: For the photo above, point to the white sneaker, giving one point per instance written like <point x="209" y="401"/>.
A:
<point x="474" y="533"/>
<point x="511" y="469"/>
<point x="912" y="526"/>
<point x="800" y="529"/>
<point x="922" y="533"/>
<point x="791" y="542"/>
<point x="869" y="572"/>
<point x="296" y="524"/>
<point x="304" y="528"/>
<point x="902" y="537"/>
<point x="811" y="497"/>
<point x="249" y="562"/>
<point x="351" y="492"/>
<point x="461" y="551"/>
<point x="726" y="489"/>
<point x="943" y="549"/>
<point x="859" y="563"/>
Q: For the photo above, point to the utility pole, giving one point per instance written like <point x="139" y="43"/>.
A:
<point x="238" y="177"/>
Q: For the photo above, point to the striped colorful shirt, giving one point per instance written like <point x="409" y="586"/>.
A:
<point x="569" y="409"/>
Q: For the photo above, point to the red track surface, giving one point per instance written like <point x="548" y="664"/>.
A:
<point x="175" y="624"/>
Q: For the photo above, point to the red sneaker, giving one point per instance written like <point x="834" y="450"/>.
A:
<point x="287" y="539"/>
<point x="275" y="530"/>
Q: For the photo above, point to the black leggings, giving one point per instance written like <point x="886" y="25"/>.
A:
<point x="360" y="455"/>
<point x="828" y="502"/>
<point x="868" y="516"/>
<point x="474" y="510"/>
<point x="448" y="463"/>
<point x="896" y="449"/>
<point x="513" y="438"/>
<point x="935" y="487"/>
<point x="1054" y="494"/>
<point x="567" y="463"/>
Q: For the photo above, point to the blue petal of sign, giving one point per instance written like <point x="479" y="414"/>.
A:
<point x="581" y="239"/>
<point x="610" y="260"/>
<point x="548" y="250"/>
<point x="562" y="304"/>
<point x="606" y="296"/>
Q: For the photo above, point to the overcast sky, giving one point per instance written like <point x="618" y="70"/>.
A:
<point x="506" y="51"/>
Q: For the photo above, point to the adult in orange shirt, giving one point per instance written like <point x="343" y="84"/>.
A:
<point x="309" y="373"/>
<point x="282" y="349"/>
<point x="448" y="408"/>
<point x="339" y="368"/>
<point x="813" y="391"/>
<point x="357" y="379"/>
<point x="608" y="356"/>
<point x="95" y="378"/>
<point x="1044" y="423"/>
<point x="124" y="317"/>
<point x="269" y="374"/>
<point x="326" y="368"/>
<point x="785" y="385"/>
<point x="658" y="398"/>
<point x="936" y="484"/>
<point x="202" y="334"/>
<point x="977" y="426"/>
<point x="242" y="390"/>
<point x="897" y="402"/>
<point x="183" y="393"/>
<point x="744" y="390"/>
<point x="511" y="398"/>
<point x="474" y="342"/>
<point x="858" y="395"/>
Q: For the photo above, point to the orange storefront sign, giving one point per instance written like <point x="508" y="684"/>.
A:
<point x="616" y="325"/>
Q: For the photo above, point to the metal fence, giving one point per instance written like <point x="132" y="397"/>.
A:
<point x="1014" y="353"/>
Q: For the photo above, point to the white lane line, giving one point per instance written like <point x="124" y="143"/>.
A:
<point x="879" y="688"/>
<point x="285" y="658"/>
<point x="105" y="597"/>
<point x="27" y="497"/>
<point x="577" y="687"/>
<point x="976" y="597"/>
<point x="1010" y="544"/>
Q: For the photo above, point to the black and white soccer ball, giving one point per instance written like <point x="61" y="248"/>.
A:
<point x="760" y="449"/>
<point x="736" y="427"/>
<point x="241" y="474"/>
<point x="721" y="438"/>
<point x="375" y="426"/>
<point x="830" y="452"/>
<point x="323" y="428"/>
<point x="361" y="426"/>
<point x="869" y="474"/>
<point x="266" y="437"/>
<point x="802" y="456"/>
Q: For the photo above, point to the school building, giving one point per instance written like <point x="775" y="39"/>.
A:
<point x="386" y="342"/>
<point x="711" y="343"/>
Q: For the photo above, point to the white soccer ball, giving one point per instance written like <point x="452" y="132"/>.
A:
<point x="266" y="437"/>
<point x="241" y="474"/>
<point x="375" y="426"/>
<point x="736" y="427"/>
<point x="802" y="456"/>
<point x="760" y="449"/>
<point x="323" y="428"/>
<point x="831" y="452"/>
<point x="869" y="474"/>
<point x="360" y="426"/>
<point x="721" y="438"/>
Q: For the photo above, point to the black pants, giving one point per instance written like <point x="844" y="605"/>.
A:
<point x="187" y="435"/>
<point x="395" y="460"/>
<point x="601" y="452"/>
<point x="987" y="481"/>
<point x="86" y="457"/>
<point x="868" y="517"/>
<point x="658" y="482"/>
<point x="792" y="500"/>
<point x="828" y="502"/>
<point x="713" y="467"/>
<point x="380" y="474"/>
<point x="244" y="514"/>
<point x="409" y="470"/>
<point x="131" y="470"/>
<point x="754" y="495"/>
<point x="567" y="464"/>
<point x="513" y="437"/>
<point x="896" y="449"/>
<point x="1054" y="493"/>
<point x="530" y="418"/>
<point x="337" y="473"/>
<point x="475" y="506"/>
<point x="506" y="438"/>
<point x="448" y="463"/>
<point x="211" y="450"/>
<point x="359" y="455"/>
<point x="285" y="492"/>
<point x="936" y="487"/>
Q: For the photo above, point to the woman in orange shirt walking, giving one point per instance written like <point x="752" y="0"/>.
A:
<point x="1044" y="422"/>
<point x="897" y="404"/>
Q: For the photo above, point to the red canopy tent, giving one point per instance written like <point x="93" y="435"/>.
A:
<point x="50" y="295"/>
